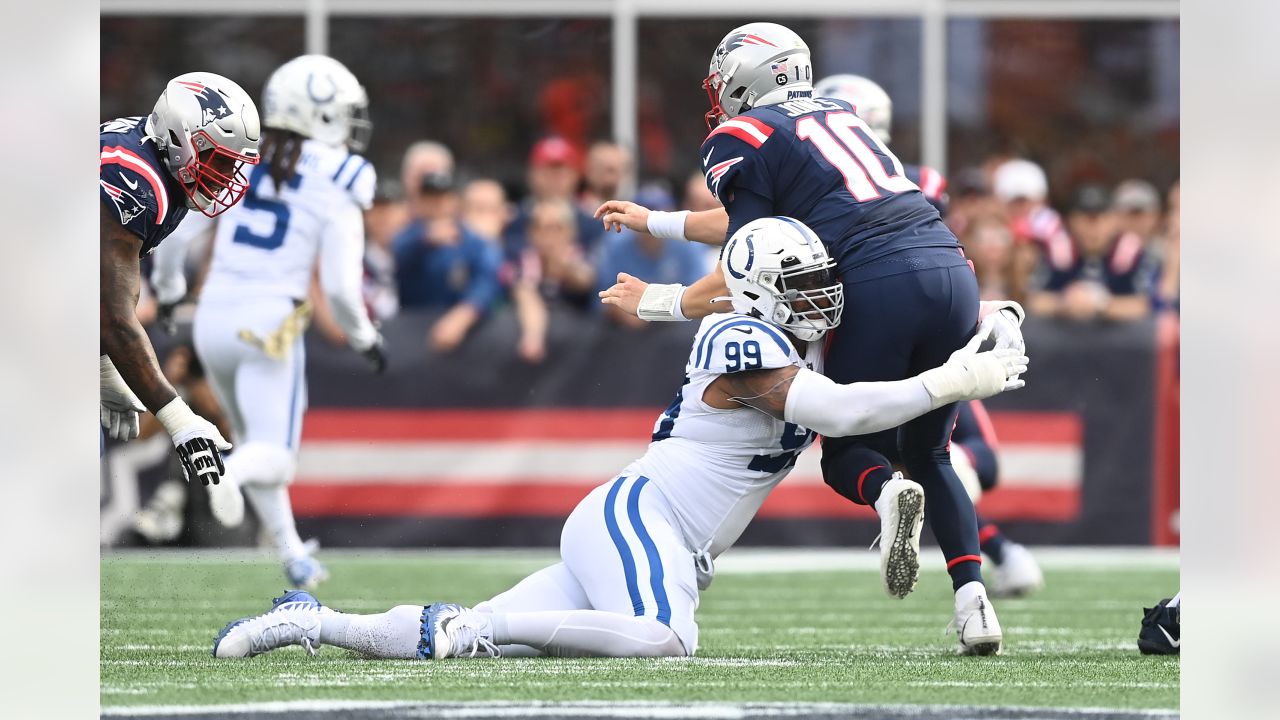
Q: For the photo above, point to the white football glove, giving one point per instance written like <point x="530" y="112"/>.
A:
<point x="972" y="375"/>
<point x="200" y="445"/>
<point x="1003" y="324"/>
<point x="119" y="406"/>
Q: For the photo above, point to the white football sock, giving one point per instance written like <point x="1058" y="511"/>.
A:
<point x="1176" y="601"/>
<point x="271" y="502"/>
<point x="586" y="633"/>
<point x="393" y="634"/>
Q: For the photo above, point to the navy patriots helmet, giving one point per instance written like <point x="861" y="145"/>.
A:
<point x="207" y="129"/>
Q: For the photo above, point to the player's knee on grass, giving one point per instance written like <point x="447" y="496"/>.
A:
<point x="258" y="463"/>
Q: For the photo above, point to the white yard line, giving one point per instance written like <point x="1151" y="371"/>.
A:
<point x="737" y="560"/>
<point x="617" y="709"/>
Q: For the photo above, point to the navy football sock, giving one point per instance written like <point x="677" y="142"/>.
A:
<point x="854" y="471"/>
<point x="992" y="540"/>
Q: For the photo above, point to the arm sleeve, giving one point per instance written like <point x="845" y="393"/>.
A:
<point x="828" y="408"/>
<point x="342" y="274"/>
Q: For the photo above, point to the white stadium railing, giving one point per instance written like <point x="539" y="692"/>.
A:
<point x="933" y="15"/>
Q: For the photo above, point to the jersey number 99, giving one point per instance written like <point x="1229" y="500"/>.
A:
<point x="742" y="357"/>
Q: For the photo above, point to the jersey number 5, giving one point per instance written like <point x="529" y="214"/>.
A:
<point x="255" y="201"/>
<point x="846" y="143"/>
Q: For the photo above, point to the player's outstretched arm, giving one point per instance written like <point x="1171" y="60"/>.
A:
<point x="656" y="302"/>
<point x="706" y="226"/>
<point x="120" y="333"/>
<point x="123" y="341"/>
<point x="816" y="402"/>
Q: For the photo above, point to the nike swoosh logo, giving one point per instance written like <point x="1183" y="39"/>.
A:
<point x="1172" y="642"/>
<point x="744" y="331"/>
<point x="707" y="159"/>
<point x="132" y="185"/>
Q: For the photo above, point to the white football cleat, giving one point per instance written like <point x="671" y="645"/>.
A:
<point x="976" y="624"/>
<point x="901" y="510"/>
<point x="294" y="619"/>
<point x="1018" y="574"/>
<point x="457" y="631"/>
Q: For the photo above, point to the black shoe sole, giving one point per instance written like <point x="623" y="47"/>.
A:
<point x="903" y="568"/>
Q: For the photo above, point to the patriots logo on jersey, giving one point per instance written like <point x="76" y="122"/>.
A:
<point x="212" y="105"/>
<point x="128" y="206"/>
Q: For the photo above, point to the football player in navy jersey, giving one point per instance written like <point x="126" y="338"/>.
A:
<point x="973" y="442"/>
<point x="911" y="297"/>
<point x="189" y="153"/>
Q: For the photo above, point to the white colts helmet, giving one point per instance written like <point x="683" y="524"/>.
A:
<point x="778" y="270"/>
<point x="870" y="102"/>
<point x="207" y="130"/>
<point x="318" y="98"/>
<point x="757" y="64"/>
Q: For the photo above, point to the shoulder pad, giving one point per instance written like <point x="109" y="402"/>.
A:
<point x="737" y="343"/>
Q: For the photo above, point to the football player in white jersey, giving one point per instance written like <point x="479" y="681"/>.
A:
<point x="305" y="208"/>
<point x="639" y="548"/>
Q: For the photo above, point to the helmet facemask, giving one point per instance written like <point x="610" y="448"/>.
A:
<point x="214" y="180"/>
<point x="808" y="300"/>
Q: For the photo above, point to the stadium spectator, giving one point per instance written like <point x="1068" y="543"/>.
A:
<point x="697" y="196"/>
<point x="1101" y="273"/>
<point x="988" y="242"/>
<point x="1021" y="188"/>
<point x="553" y="175"/>
<point x="440" y="262"/>
<point x="552" y="269"/>
<point x="388" y="214"/>
<point x="1167" y="289"/>
<point x="1137" y="205"/>
<point x="643" y="255"/>
<point x="607" y="174"/>
<point x="485" y="209"/>
<point x="970" y="199"/>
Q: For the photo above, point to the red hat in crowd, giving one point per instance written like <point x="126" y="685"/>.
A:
<point x="553" y="151"/>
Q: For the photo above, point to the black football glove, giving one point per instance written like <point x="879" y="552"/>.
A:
<point x="376" y="354"/>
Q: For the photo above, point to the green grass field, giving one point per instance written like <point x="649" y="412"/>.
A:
<point x="767" y="634"/>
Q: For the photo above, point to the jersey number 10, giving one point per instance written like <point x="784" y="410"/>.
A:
<point x="846" y="143"/>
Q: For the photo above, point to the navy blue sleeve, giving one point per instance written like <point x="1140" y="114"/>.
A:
<point x="745" y="206"/>
<point x="733" y="158"/>
<point x="131" y="198"/>
<point x="483" y="287"/>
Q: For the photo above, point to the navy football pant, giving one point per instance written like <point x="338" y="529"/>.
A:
<point x="895" y="327"/>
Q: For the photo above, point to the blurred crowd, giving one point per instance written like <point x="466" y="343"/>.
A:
<point x="468" y="246"/>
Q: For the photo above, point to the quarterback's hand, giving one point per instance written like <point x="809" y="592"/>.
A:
<point x="200" y="445"/>
<point x="376" y="354"/>
<point x="625" y="294"/>
<point x="617" y="214"/>
<point x="119" y="406"/>
<point x="1004" y="326"/>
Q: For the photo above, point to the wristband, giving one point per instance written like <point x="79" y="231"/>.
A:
<point x="176" y="417"/>
<point x="667" y="225"/>
<point x="661" y="303"/>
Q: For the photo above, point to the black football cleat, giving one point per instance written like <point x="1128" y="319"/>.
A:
<point x="1161" y="632"/>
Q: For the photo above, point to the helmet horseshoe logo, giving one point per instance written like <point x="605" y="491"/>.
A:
<point x="311" y="91"/>
<point x="751" y="258"/>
